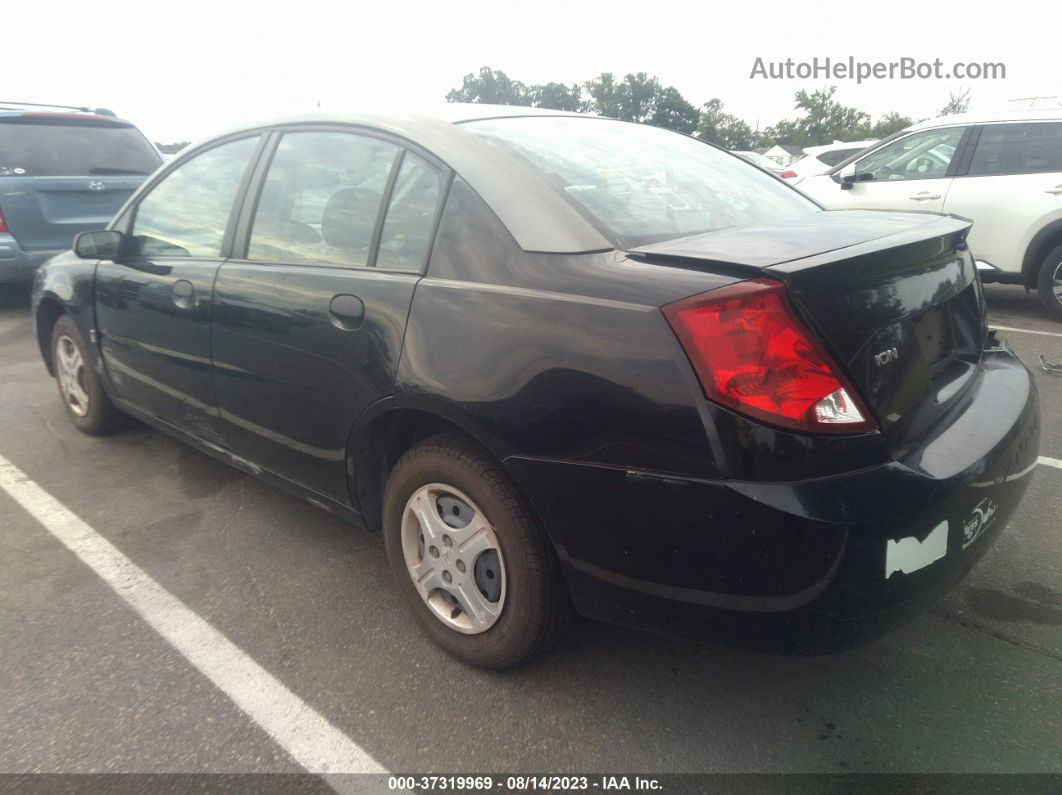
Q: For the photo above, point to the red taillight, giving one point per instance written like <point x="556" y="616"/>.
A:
<point x="787" y="174"/>
<point x="753" y="354"/>
<point x="3" y="224"/>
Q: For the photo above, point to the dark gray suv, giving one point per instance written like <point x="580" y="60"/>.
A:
<point x="62" y="171"/>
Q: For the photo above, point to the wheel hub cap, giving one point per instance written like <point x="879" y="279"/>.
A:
<point x="453" y="558"/>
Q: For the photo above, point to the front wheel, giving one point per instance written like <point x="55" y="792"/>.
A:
<point x="478" y="574"/>
<point x="87" y="404"/>
<point x="1049" y="283"/>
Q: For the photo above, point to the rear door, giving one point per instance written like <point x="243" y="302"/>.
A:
<point x="153" y="309"/>
<point x="61" y="174"/>
<point x="1013" y="188"/>
<point x="911" y="173"/>
<point x="309" y="320"/>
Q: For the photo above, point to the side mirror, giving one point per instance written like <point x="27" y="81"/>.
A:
<point x="847" y="176"/>
<point x="101" y="244"/>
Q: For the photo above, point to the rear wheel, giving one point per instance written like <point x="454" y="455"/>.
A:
<point x="478" y="574"/>
<point x="1049" y="283"/>
<point x="87" y="404"/>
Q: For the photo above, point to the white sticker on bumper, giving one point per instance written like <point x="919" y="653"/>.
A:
<point x="909" y="554"/>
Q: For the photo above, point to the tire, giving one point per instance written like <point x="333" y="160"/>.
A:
<point x="87" y="404"/>
<point x="1048" y="280"/>
<point x="483" y="509"/>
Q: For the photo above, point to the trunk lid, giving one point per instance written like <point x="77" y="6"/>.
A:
<point x="61" y="174"/>
<point x="893" y="296"/>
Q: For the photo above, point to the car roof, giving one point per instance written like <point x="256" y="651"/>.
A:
<point x="992" y="117"/>
<point x="817" y="150"/>
<point x="533" y="212"/>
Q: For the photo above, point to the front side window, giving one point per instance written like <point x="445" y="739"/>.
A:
<point x="187" y="213"/>
<point x="321" y="199"/>
<point x="921" y="155"/>
<point x="639" y="184"/>
<point x="1033" y="148"/>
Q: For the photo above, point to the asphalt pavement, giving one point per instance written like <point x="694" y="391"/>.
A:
<point x="88" y="684"/>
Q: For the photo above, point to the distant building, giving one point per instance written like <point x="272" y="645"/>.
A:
<point x="782" y="154"/>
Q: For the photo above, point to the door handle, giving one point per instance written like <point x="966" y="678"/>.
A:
<point x="347" y="312"/>
<point x="924" y="196"/>
<point x="1056" y="191"/>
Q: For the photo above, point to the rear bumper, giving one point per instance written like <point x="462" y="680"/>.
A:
<point x="806" y="566"/>
<point x="18" y="266"/>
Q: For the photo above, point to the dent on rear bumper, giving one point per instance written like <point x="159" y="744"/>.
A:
<point x="653" y="549"/>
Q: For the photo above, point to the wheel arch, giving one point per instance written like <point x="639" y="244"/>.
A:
<point x="48" y="312"/>
<point x="1042" y="243"/>
<point x="384" y="432"/>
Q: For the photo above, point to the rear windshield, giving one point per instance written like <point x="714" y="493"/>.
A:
<point x="48" y="149"/>
<point x="639" y="184"/>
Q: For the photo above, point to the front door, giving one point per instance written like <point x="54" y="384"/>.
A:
<point x="911" y="173"/>
<point x="309" y="321"/>
<point x="153" y="309"/>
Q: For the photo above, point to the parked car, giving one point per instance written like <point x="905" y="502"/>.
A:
<point x="820" y="159"/>
<point x="1002" y="171"/>
<point x="562" y="361"/>
<point x="763" y="162"/>
<point x="62" y="171"/>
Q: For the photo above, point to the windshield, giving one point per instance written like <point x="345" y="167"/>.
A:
<point x="48" y="149"/>
<point x="639" y="184"/>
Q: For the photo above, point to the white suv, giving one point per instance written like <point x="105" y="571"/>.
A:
<point x="1003" y="171"/>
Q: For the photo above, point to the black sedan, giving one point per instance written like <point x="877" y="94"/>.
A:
<point x="562" y="362"/>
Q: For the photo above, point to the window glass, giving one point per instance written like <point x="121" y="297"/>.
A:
<point x="1033" y="148"/>
<point x="642" y="184"/>
<point x="185" y="215"/>
<point x="407" y="229"/>
<point x="921" y="155"/>
<point x="321" y="199"/>
<point x="72" y="148"/>
<point x="835" y="156"/>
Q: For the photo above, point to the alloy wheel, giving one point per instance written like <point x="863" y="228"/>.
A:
<point x="71" y="371"/>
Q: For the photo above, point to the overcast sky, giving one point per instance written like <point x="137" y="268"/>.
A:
<point x="183" y="70"/>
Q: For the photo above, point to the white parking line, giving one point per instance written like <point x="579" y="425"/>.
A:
<point x="1027" y="331"/>
<point x="306" y="735"/>
<point x="1051" y="462"/>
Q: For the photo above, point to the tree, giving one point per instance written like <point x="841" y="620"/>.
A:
<point x="492" y="87"/>
<point x="674" y="112"/>
<point x="724" y="129"/>
<point x="957" y="103"/>
<point x="557" y="96"/>
<point x="170" y="149"/>
<point x="641" y="98"/>
<point x="890" y="123"/>
<point x="825" y="120"/>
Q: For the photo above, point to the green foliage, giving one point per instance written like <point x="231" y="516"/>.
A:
<point x="557" y="96"/>
<point x="491" y="87"/>
<point x="824" y="121"/>
<point x="890" y="123"/>
<point x="725" y="129"/>
<point x="641" y="98"/>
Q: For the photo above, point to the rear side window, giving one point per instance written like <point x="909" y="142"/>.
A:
<point x="187" y="213"/>
<point x="51" y="149"/>
<point x="1033" y="148"/>
<point x="835" y="156"/>
<point x="410" y="220"/>
<point x="321" y="199"/>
